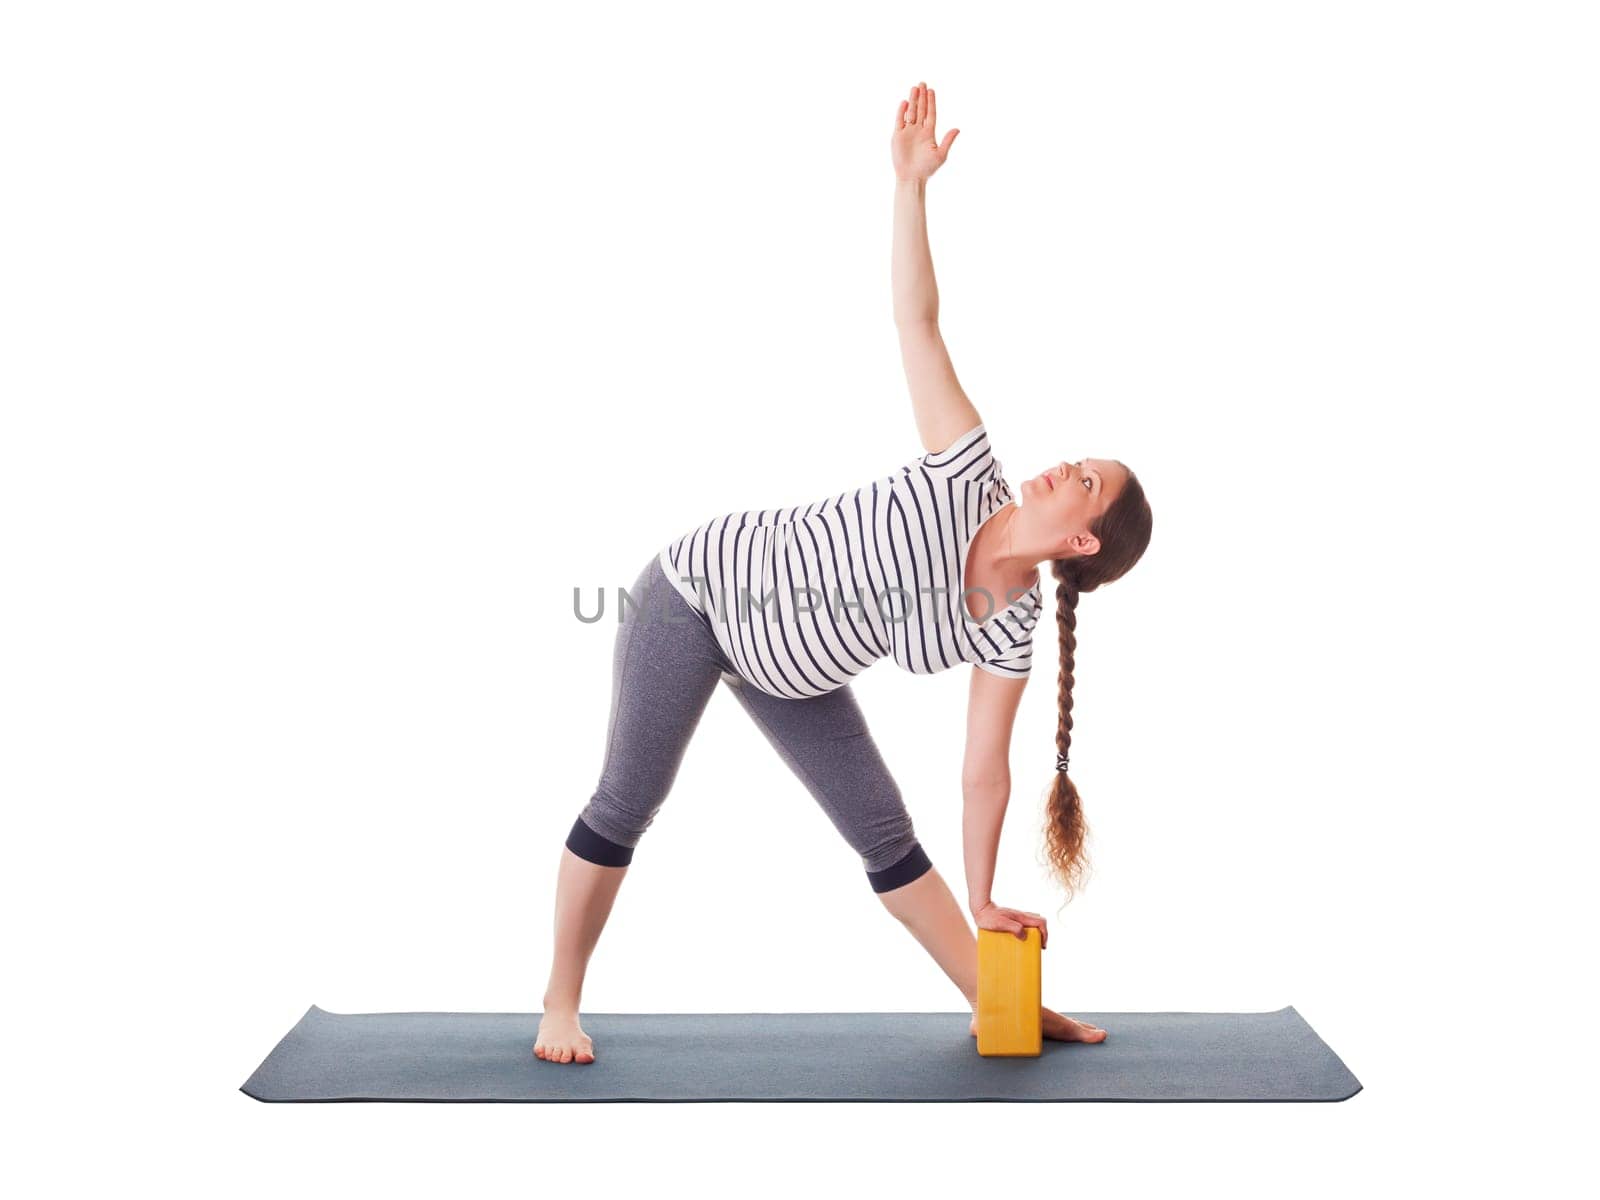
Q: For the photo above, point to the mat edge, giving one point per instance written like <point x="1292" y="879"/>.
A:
<point x="821" y="1012"/>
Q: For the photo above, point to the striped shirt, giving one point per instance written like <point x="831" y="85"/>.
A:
<point x="803" y="599"/>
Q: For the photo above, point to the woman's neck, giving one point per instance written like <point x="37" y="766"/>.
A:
<point x="994" y="557"/>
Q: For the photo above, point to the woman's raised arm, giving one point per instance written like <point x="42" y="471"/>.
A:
<point x="943" y="411"/>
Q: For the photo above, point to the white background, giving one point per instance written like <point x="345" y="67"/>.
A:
<point x="343" y="341"/>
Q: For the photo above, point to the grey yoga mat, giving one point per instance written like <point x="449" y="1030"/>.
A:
<point x="487" y="1057"/>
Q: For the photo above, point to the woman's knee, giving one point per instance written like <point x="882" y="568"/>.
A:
<point x="912" y="865"/>
<point x="593" y="846"/>
<point x="607" y="832"/>
<point x="881" y="829"/>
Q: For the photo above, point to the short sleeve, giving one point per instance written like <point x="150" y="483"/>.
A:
<point x="968" y="457"/>
<point x="1015" y="663"/>
<point x="1012" y="633"/>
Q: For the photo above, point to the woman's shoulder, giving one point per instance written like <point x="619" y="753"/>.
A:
<point x="968" y="456"/>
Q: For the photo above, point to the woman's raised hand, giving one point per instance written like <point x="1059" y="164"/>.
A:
<point x="916" y="151"/>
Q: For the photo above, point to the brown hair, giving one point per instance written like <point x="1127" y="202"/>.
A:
<point x="1124" y="532"/>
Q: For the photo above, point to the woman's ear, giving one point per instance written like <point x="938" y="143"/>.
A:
<point x="1084" y="543"/>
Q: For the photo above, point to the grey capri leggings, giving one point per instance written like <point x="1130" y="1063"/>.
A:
<point x="665" y="665"/>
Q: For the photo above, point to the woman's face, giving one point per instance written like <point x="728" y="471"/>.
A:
<point x="1061" y="502"/>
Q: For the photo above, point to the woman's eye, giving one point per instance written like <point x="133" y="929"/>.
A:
<point x="1087" y="483"/>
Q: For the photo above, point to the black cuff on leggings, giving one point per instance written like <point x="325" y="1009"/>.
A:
<point x="912" y="866"/>
<point x="589" y="845"/>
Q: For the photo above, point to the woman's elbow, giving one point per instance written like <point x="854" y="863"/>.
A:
<point x="986" y="784"/>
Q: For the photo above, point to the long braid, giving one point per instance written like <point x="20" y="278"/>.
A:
<point x="1067" y="625"/>
<point x="1123" y="531"/>
<point x="1065" y="829"/>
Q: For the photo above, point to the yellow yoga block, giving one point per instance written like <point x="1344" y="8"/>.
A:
<point x="1009" y="1023"/>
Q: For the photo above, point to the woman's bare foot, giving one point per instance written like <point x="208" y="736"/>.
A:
<point x="1058" y="1028"/>
<point x="562" y="1040"/>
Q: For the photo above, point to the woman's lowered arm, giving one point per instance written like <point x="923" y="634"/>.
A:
<point x="986" y="777"/>
<point x="943" y="411"/>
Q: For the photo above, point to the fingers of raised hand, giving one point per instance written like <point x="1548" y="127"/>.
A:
<point x="921" y="108"/>
<point x="920" y="105"/>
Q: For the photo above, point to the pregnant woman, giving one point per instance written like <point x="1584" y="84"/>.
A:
<point x="932" y="566"/>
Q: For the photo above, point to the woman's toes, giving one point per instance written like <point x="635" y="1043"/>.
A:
<point x="559" y="1041"/>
